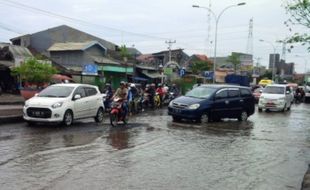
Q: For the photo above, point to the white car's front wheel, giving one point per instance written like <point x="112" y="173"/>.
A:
<point x="68" y="118"/>
<point x="99" y="116"/>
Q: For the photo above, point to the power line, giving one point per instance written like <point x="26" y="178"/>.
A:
<point x="71" y="19"/>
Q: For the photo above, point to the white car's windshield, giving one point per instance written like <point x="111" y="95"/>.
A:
<point x="274" y="90"/>
<point x="56" y="91"/>
<point x="201" y="92"/>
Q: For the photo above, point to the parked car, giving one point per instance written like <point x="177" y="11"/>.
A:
<point x="64" y="103"/>
<point x="276" y="97"/>
<point x="256" y="93"/>
<point x="213" y="102"/>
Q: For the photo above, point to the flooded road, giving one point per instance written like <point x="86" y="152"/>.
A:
<point x="270" y="151"/>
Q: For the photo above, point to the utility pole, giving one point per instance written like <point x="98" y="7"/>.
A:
<point x="249" y="46"/>
<point x="169" y="47"/>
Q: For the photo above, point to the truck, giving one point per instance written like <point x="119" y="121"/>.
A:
<point x="307" y="88"/>
<point x="237" y="79"/>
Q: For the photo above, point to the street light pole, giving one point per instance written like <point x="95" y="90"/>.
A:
<point x="217" y="18"/>
<point x="274" y="57"/>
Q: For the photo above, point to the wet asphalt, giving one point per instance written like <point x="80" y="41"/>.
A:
<point x="269" y="151"/>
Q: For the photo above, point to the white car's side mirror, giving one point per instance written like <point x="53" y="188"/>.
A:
<point x="77" y="96"/>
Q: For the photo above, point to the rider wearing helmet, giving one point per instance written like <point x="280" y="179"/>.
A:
<point x="160" y="91"/>
<point x="122" y="93"/>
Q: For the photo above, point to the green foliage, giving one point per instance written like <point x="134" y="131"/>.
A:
<point x="234" y="58"/>
<point x="266" y="75"/>
<point x="299" y="11"/>
<point x="124" y="53"/>
<point x="33" y="71"/>
<point x="199" y="66"/>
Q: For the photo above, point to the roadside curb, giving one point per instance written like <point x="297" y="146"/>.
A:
<point x="12" y="103"/>
<point x="306" y="181"/>
<point x="11" y="119"/>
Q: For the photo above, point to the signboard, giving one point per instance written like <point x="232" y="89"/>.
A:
<point x="208" y="75"/>
<point x="182" y="72"/>
<point x="168" y="71"/>
<point x="90" y="69"/>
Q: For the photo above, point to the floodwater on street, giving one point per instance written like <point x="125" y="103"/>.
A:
<point x="269" y="151"/>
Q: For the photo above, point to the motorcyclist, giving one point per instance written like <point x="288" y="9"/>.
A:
<point x="122" y="93"/>
<point x="133" y="96"/>
<point x="161" y="92"/>
<point x="109" y="93"/>
<point x="150" y="90"/>
<point x="174" y="90"/>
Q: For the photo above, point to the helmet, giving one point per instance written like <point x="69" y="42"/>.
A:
<point x="132" y="85"/>
<point x="108" y="84"/>
<point x="152" y="84"/>
<point x="122" y="83"/>
<point x="159" y="84"/>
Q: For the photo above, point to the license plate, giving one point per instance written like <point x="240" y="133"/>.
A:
<point x="37" y="113"/>
<point x="176" y="110"/>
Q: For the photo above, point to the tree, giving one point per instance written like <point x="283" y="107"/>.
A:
<point x="124" y="53"/>
<point x="234" y="58"/>
<point x="33" y="71"/>
<point x="299" y="11"/>
<point x="198" y="66"/>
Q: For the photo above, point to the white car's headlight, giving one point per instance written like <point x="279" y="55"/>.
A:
<point x="26" y="105"/>
<point x="57" y="105"/>
<point x="193" y="106"/>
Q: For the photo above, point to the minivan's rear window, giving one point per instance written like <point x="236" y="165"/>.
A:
<point x="274" y="90"/>
<point x="201" y="92"/>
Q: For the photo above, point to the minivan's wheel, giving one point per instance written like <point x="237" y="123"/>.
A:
<point x="99" y="116"/>
<point x="243" y="116"/>
<point x="68" y="118"/>
<point x="205" y="118"/>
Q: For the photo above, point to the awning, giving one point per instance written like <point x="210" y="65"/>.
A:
<point x="139" y="78"/>
<point x="153" y="75"/>
<point x="117" y="69"/>
<point x="7" y="63"/>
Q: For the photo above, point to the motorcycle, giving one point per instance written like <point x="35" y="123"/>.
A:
<point x="298" y="98"/>
<point x="117" y="113"/>
<point x="169" y="97"/>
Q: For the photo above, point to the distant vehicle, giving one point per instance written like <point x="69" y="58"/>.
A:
<point x="257" y="93"/>
<point x="307" y="94"/>
<point x="265" y="82"/>
<point x="213" y="102"/>
<point x="276" y="97"/>
<point x="63" y="103"/>
<point x="237" y="80"/>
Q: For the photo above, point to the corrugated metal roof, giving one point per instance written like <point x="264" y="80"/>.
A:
<point x="6" y="63"/>
<point x="74" y="46"/>
<point x="19" y="51"/>
<point x="104" y="60"/>
<point x="153" y="75"/>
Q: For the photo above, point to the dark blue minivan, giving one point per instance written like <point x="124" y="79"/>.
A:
<point x="212" y="103"/>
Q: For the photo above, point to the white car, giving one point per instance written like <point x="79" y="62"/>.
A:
<point x="63" y="103"/>
<point x="276" y="97"/>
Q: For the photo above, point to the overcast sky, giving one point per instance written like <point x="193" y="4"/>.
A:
<point x="147" y="24"/>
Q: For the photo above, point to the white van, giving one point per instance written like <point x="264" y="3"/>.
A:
<point x="276" y="97"/>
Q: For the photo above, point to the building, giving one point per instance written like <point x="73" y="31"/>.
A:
<point x="74" y="50"/>
<point x="11" y="56"/>
<point x="153" y="66"/>
<point x="282" y="69"/>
